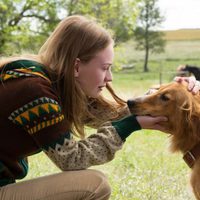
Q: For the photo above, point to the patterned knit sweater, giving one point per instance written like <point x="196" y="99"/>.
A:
<point x="31" y="120"/>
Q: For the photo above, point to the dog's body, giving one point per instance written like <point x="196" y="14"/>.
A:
<point x="183" y="111"/>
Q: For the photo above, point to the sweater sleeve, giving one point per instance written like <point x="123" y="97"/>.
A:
<point x="97" y="149"/>
<point x="100" y="113"/>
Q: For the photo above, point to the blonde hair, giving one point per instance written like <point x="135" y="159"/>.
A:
<point x="74" y="37"/>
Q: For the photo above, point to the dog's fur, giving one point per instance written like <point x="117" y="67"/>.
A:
<point x="182" y="109"/>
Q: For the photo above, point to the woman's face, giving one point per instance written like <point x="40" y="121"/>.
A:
<point x="94" y="75"/>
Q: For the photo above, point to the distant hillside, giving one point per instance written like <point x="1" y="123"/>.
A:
<point x="183" y="34"/>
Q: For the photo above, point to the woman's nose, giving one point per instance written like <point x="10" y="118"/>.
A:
<point x="108" y="77"/>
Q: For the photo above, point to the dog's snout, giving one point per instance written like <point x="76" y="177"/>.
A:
<point x="130" y="103"/>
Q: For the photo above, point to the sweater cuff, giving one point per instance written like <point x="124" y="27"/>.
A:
<point x="126" y="126"/>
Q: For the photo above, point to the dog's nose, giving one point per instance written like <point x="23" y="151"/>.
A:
<point x="130" y="103"/>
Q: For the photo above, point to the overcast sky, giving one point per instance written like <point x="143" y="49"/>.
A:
<point x="180" y="14"/>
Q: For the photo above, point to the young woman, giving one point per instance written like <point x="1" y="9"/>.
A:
<point x="47" y="98"/>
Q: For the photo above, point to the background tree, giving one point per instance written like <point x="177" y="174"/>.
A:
<point x="25" y="24"/>
<point x="147" y="37"/>
<point x="118" y="15"/>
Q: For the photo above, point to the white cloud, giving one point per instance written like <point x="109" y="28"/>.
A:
<point x="180" y="13"/>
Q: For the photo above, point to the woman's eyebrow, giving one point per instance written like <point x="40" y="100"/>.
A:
<point x="107" y="63"/>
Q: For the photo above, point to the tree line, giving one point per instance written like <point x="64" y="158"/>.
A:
<point x="25" y="24"/>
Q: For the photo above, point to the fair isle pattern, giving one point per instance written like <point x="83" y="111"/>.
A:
<point x="22" y="72"/>
<point x="37" y="114"/>
<point x="45" y="124"/>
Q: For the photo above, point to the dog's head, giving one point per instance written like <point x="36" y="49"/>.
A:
<point x="174" y="101"/>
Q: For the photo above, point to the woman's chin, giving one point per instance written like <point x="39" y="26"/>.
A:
<point x="97" y="94"/>
<point x="94" y="94"/>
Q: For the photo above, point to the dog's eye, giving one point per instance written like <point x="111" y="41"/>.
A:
<point x="164" y="97"/>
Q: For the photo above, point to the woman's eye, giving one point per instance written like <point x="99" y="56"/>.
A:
<point x="107" y="67"/>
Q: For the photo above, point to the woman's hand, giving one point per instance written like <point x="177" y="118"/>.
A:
<point x="148" y="122"/>
<point x="193" y="84"/>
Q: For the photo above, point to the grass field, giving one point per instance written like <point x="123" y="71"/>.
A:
<point x="144" y="169"/>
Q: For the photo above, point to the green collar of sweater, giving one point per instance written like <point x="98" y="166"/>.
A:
<point x="22" y="68"/>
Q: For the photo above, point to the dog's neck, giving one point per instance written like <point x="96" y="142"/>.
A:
<point x="183" y="141"/>
<point x="189" y="144"/>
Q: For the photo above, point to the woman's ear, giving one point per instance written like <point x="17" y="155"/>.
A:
<point x="76" y="67"/>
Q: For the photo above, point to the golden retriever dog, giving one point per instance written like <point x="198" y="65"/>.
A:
<point x="182" y="108"/>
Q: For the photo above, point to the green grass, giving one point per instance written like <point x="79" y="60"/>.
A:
<point x="179" y="51"/>
<point x="144" y="169"/>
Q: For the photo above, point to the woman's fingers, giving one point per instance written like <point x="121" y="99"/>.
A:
<point x="193" y="84"/>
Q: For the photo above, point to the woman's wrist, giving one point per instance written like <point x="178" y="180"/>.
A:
<point x="126" y="126"/>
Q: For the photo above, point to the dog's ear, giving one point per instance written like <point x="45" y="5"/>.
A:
<point x="183" y="122"/>
<point x="184" y="118"/>
<point x="195" y="126"/>
<point x="184" y="131"/>
<point x="195" y="116"/>
<point x="192" y="117"/>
